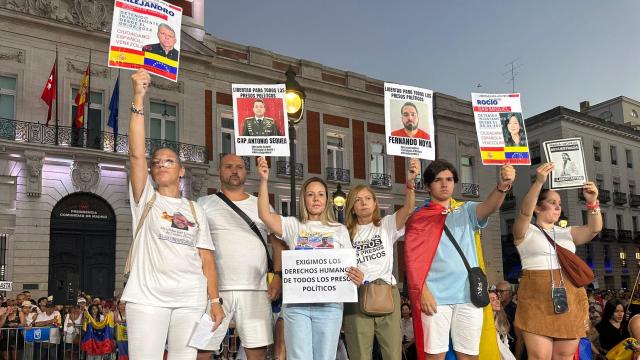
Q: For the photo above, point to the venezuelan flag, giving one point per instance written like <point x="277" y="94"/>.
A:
<point x="161" y="65"/>
<point x="137" y="59"/>
<point x="517" y="154"/>
<point x="98" y="337"/>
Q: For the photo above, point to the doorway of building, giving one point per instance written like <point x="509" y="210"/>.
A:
<point x="82" y="248"/>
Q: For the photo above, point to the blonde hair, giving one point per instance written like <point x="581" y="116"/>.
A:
<point x="502" y="323"/>
<point x="326" y="217"/>
<point x="351" y="218"/>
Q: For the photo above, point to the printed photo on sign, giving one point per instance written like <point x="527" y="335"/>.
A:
<point x="260" y="120"/>
<point x="569" y="166"/>
<point x="177" y="228"/>
<point x="314" y="240"/>
<point x="146" y="34"/>
<point x="409" y="121"/>
<point x="500" y="129"/>
<point x="318" y="276"/>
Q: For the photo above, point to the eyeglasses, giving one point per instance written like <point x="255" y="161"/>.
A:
<point x="502" y="291"/>
<point x="166" y="163"/>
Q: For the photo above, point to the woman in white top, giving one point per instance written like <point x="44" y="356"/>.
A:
<point x="373" y="237"/>
<point x="173" y="267"/>
<point x="547" y="334"/>
<point x="311" y="330"/>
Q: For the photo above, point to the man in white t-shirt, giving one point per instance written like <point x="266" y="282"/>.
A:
<point x="241" y="260"/>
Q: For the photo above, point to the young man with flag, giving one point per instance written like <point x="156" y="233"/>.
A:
<point x="437" y="278"/>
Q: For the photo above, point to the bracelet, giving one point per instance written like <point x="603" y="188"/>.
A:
<point x="135" y="110"/>
<point x="594" y="205"/>
<point x="595" y="211"/>
<point x="409" y="187"/>
<point x="505" y="190"/>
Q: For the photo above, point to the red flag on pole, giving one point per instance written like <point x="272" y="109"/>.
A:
<point x="49" y="92"/>
<point x="81" y="98"/>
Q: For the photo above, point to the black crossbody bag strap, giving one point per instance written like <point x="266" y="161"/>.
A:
<point x="251" y="224"/>
<point x="455" y="244"/>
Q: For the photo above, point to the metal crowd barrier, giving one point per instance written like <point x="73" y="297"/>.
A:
<point x="45" y="343"/>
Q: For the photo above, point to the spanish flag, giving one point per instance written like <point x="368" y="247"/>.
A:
<point x="140" y="59"/>
<point x="423" y="232"/>
<point x="81" y="98"/>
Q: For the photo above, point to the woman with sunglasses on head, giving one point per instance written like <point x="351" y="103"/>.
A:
<point x="311" y="330"/>
<point x="548" y="334"/>
<point x="172" y="268"/>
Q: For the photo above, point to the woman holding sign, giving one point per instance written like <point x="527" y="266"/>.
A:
<point x="312" y="330"/>
<point x="172" y="268"/>
<point x="552" y="311"/>
<point x="373" y="238"/>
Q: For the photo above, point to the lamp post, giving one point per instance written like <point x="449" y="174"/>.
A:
<point x="563" y="221"/>
<point x="294" y="97"/>
<point x="339" y="200"/>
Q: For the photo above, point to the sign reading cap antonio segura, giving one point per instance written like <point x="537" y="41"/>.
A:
<point x="260" y="120"/>
<point x="569" y="167"/>
<point x="408" y="119"/>
<point x="146" y="34"/>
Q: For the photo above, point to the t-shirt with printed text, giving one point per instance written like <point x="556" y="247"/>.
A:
<point x="374" y="249"/>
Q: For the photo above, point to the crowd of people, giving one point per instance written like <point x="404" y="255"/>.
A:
<point x="213" y="257"/>
<point x="42" y="329"/>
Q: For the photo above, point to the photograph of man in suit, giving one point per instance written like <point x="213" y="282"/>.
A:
<point x="258" y="124"/>
<point x="410" y="121"/>
<point x="167" y="38"/>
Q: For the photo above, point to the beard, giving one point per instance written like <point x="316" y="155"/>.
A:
<point x="410" y="126"/>
<point x="232" y="181"/>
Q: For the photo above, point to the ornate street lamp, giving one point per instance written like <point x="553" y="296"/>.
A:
<point x="339" y="200"/>
<point x="294" y="97"/>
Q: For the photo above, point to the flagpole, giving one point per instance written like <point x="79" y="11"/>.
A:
<point x="86" y="123"/>
<point x="115" y="133"/>
<point x="57" y="97"/>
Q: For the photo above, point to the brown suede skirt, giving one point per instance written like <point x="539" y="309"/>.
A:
<point x="535" y="314"/>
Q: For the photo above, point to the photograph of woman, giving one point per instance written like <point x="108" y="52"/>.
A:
<point x="513" y="130"/>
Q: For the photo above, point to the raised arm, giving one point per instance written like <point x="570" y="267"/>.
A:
<point x="273" y="221"/>
<point x="402" y="215"/>
<point x="583" y="234"/>
<point x="528" y="205"/>
<point x="138" y="172"/>
<point x="496" y="197"/>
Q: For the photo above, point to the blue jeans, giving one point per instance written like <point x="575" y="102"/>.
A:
<point x="312" y="330"/>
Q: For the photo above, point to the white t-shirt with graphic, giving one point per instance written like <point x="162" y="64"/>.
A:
<point x="240" y="256"/>
<point x="374" y="249"/>
<point x="314" y="235"/>
<point x="166" y="268"/>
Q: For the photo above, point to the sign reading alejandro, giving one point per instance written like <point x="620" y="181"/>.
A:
<point x="146" y="34"/>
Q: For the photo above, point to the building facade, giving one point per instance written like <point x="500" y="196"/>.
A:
<point x="612" y="157"/>
<point x="64" y="209"/>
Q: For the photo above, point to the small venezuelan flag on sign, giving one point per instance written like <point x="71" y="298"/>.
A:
<point x="517" y="154"/>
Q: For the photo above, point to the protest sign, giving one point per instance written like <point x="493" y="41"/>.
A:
<point x="260" y="120"/>
<point x="146" y="34"/>
<point x="500" y="128"/>
<point x="408" y="121"/>
<point x="6" y="285"/>
<point x="317" y="276"/>
<point x="570" y="170"/>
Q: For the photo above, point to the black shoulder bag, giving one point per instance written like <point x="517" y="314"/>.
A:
<point x="253" y="227"/>
<point x="477" y="279"/>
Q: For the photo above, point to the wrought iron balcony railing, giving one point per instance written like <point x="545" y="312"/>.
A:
<point x="468" y="189"/>
<point x="66" y="136"/>
<point x="283" y="169"/>
<point x="246" y="159"/>
<point x="604" y="196"/>
<point x="619" y="198"/>
<point x="608" y="234"/>
<point x="625" y="235"/>
<point x="634" y="200"/>
<point x="338" y="175"/>
<point x="380" y="180"/>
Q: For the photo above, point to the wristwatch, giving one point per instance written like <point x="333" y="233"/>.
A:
<point x="217" y="300"/>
